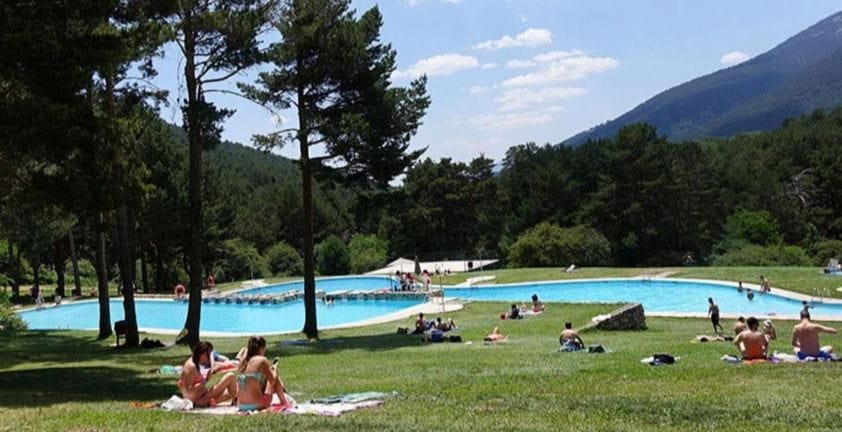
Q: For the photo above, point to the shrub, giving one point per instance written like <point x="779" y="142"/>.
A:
<point x="239" y="260"/>
<point x="753" y="227"/>
<point x="547" y="245"/>
<point x="332" y="256"/>
<point x="754" y="255"/>
<point x="368" y="252"/>
<point x="9" y="320"/>
<point x="283" y="259"/>
<point x="823" y="251"/>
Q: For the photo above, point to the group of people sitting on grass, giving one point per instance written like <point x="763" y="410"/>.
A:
<point x="516" y="312"/>
<point x="251" y="387"/>
<point x="753" y="343"/>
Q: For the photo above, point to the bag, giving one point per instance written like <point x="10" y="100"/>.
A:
<point x="455" y="338"/>
<point x="663" y="358"/>
<point x="436" y="336"/>
<point x="596" y="349"/>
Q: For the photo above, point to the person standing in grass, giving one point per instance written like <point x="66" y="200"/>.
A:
<point x="713" y="313"/>
<point x="752" y="343"/>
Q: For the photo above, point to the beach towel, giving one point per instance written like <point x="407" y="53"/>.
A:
<point x="332" y="406"/>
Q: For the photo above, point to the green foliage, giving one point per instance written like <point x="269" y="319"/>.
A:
<point x="9" y="320"/>
<point x="752" y="227"/>
<point x="825" y="250"/>
<point x="756" y="255"/>
<point x="547" y="245"/>
<point x="368" y="252"/>
<point x="239" y="260"/>
<point x="332" y="257"/>
<point x="284" y="260"/>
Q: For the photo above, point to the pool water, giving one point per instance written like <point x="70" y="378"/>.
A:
<point x="366" y="283"/>
<point x="655" y="296"/>
<point x="225" y="318"/>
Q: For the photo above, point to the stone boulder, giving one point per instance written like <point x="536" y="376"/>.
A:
<point x="628" y="317"/>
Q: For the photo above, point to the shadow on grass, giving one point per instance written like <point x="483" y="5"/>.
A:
<point x="372" y="343"/>
<point x="49" y="386"/>
<point x="51" y="346"/>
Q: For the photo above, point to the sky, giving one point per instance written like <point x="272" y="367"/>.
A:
<point x="508" y="72"/>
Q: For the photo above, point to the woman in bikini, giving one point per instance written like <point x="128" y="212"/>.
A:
<point x="193" y="384"/>
<point x="258" y="380"/>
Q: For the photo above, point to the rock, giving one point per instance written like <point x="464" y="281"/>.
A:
<point x="628" y="317"/>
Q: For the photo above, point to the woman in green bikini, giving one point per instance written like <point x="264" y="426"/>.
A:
<point x="258" y="380"/>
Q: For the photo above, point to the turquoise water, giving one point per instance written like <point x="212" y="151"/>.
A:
<point x="229" y="318"/>
<point x="367" y="283"/>
<point x="655" y="296"/>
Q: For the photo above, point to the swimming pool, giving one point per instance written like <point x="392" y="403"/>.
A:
<point x="169" y="315"/>
<point x="330" y="284"/>
<point x="666" y="296"/>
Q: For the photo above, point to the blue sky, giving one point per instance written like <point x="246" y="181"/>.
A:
<point x="506" y="72"/>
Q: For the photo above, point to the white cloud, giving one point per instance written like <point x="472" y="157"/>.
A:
<point x="530" y="38"/>
<point x="560" y="66"/>
<point x="509" y="121"/>
<point x="443" y="64"/>
<point x="478" y="89"/>
<point x="523" y="98"/>
<point x="734" y="57"/>
<point x="489" y="65"/>
<point x="522" y="18"/>
<point x="557" y="55"/>
<point x="520" y="64"/>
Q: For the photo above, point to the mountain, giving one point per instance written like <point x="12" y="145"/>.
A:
<point x="794" y="78"/>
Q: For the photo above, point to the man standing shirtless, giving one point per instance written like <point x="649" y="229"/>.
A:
<point x="805" y="338"/>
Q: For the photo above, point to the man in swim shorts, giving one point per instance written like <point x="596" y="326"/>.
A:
<point x="751" y="343"/>
<point x="805" y="338"/>
<point x="713" y="313"/>
<point x="569" y="339"/>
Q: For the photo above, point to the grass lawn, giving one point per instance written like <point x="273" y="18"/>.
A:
<point x="68" y="381"/>
<point x="798" y="279"/>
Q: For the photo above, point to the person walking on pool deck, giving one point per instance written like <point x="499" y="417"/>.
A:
<point x="193" y="384"/>
<point x="258" y="380"/>
<point x="713" y="313"/>
<point x="805" y="338"/>
<point x="751" y="343"/>
<point x="569" y="339"/>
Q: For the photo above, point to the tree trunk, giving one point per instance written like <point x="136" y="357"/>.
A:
<point x="194" y="249"/>
<point x="160" y="283"/>
<point x="102" y="279"/>
<point x="36" y="276"/>
<point x="311" y="329"/>
<point x="14" y="258"/>
<point x="77" y="283"/>
<point x="127" y="277"/>
<point x="144" y="272"/>
<point x="58" y="262"/>
<point x="126" y="263"/>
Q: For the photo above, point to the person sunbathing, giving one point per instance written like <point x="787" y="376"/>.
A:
<point x="805" y="338"/>
<point x="421" y="325"/>
<point x="193" y="384"/>
<point x="495" y="336"/>
<point x="569" y="339"/>
<point x="514" y="313"/>
<point x="258" y="380"/>
<point x="537" y="306"/>
<point x="739" y="326"/>
<point x="752" y="343"/>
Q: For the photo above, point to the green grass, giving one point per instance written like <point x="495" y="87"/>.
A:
<point x="68" y="381"/>
<point x="797" y="279"/>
